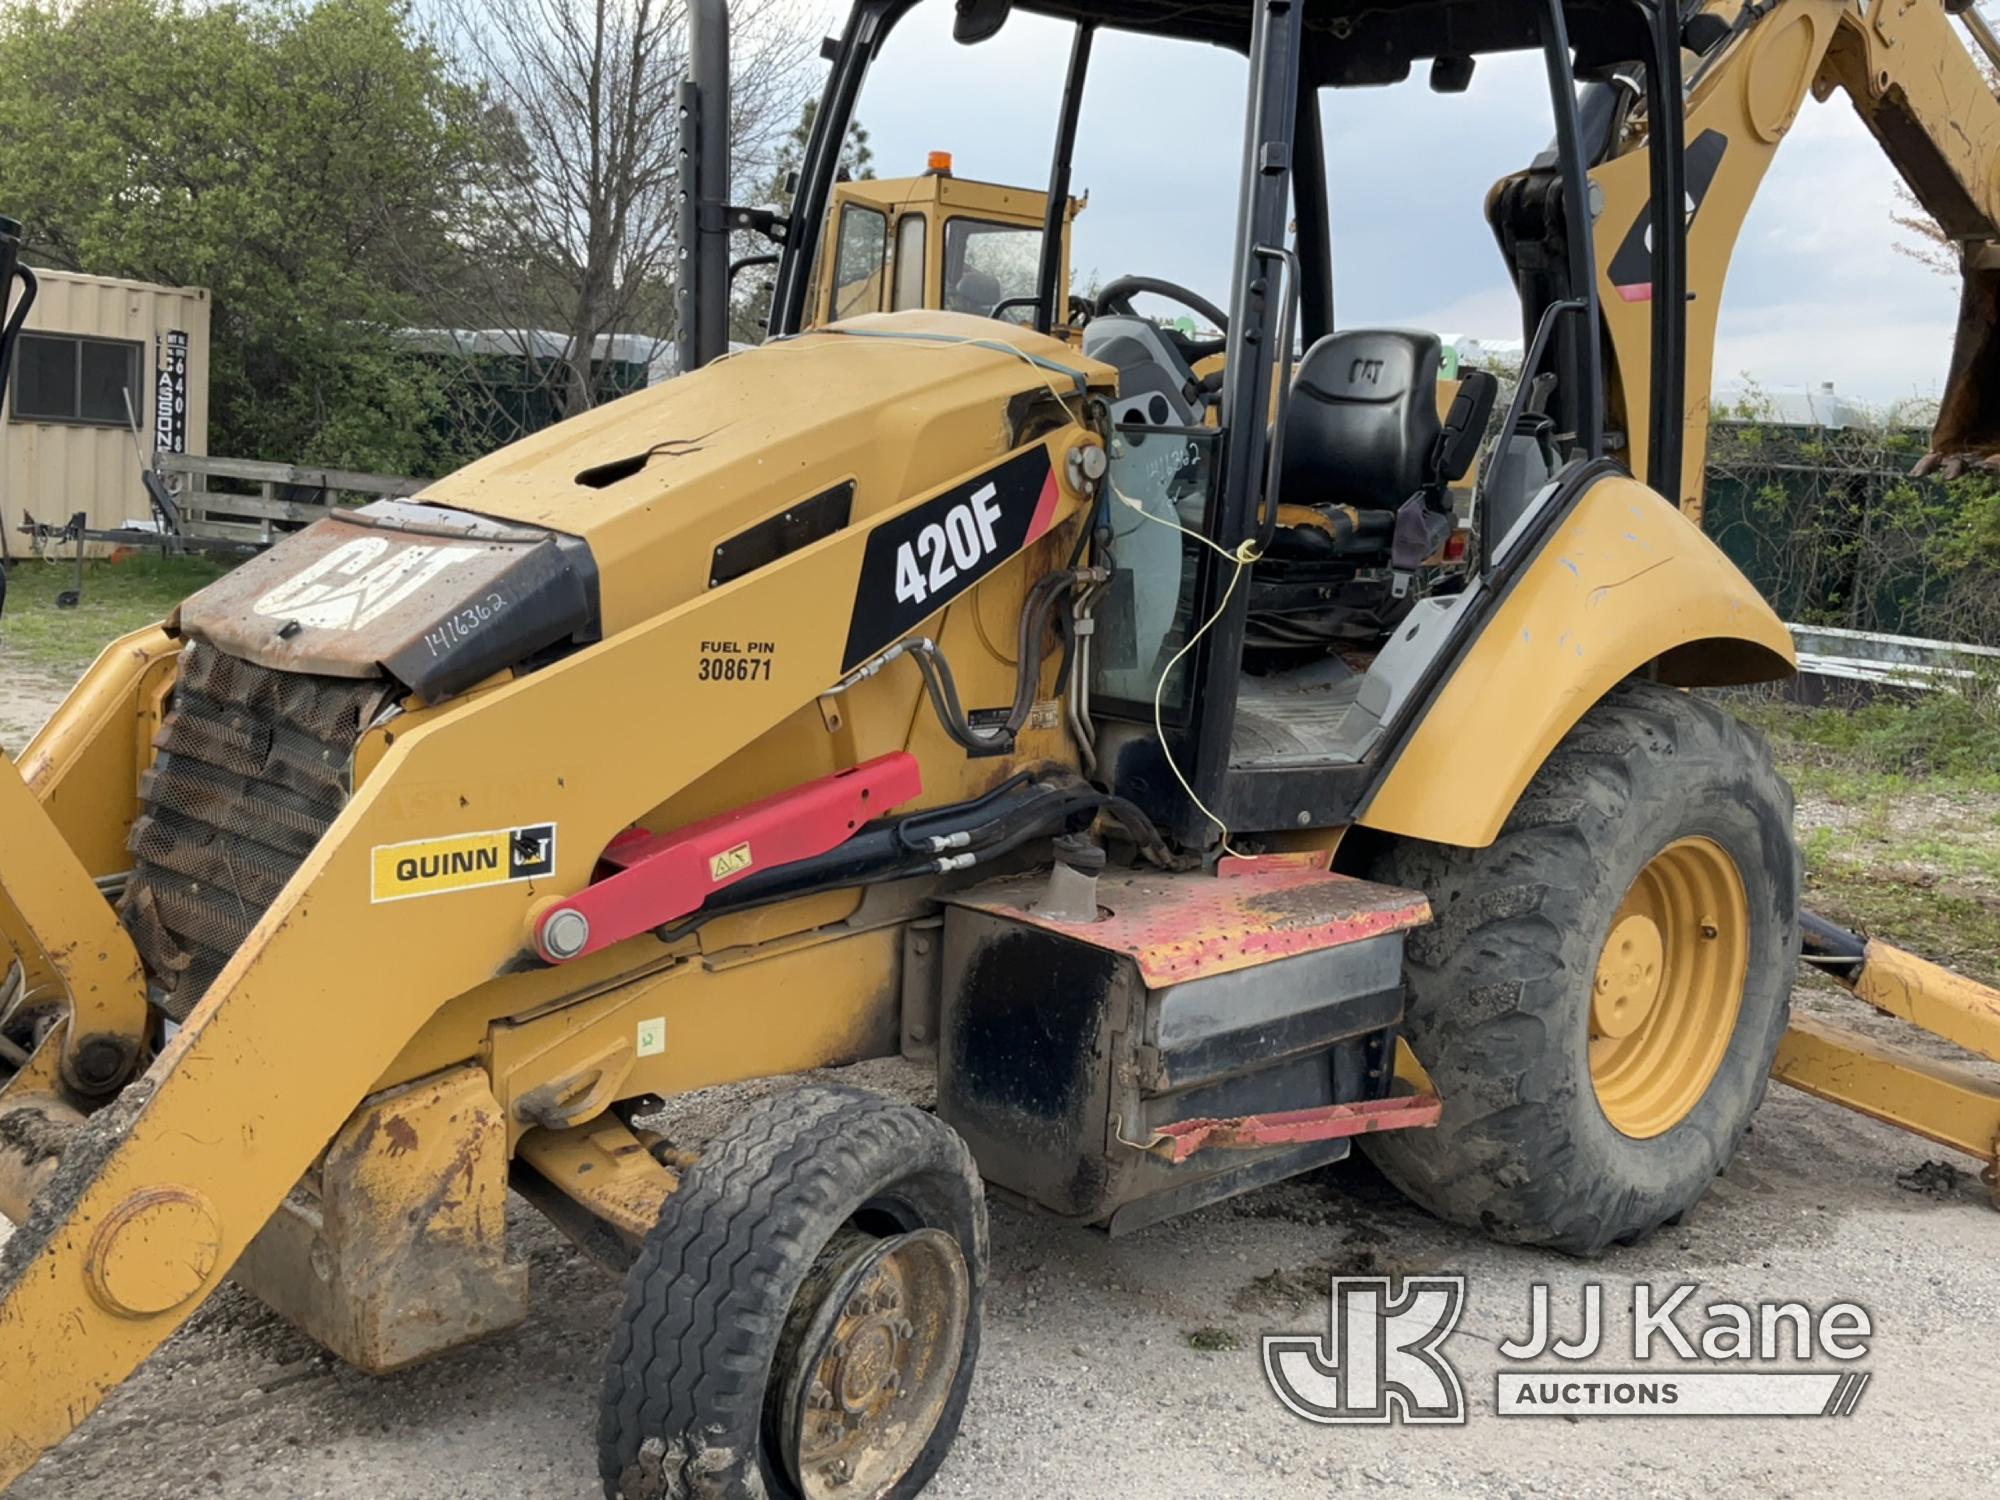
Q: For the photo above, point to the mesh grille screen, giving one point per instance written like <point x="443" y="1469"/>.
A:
<point x="251" y="772"/>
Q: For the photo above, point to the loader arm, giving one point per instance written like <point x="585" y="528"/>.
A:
<point x="159" y="1194"/>
<point x="61" y="834"/>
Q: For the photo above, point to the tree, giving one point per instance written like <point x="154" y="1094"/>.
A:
<point x="578" y="223"/>
<point x="857" y="158"/>
<point x="291" y="157"/>
<point x="750" y="302"/>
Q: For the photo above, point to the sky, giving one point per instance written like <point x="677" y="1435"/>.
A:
<point x="1817" y="291"/>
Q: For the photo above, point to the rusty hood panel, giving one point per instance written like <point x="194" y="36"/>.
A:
<point x="434" y="598"/>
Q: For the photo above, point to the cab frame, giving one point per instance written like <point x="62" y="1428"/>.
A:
<point x="1281" y="296"/>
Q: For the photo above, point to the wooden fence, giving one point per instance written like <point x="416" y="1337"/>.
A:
<point x="250" y="503"/>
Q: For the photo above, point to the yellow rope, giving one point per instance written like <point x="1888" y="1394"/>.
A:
<point x="1244" y="554"/>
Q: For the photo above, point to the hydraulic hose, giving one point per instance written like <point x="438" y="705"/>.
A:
<point x="904" y="849"/>
<point x="1038" y="613"/>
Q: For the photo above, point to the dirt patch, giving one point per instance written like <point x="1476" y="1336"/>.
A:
<point x="1934" y="1179"/>
<point x="28" y="695"/>
<point x="1213" y="1340"/>
<point x="1941" y="834"/>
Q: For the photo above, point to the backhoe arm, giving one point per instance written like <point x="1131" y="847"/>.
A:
<point x="1932" y="107"/>
<point x="1922" y="93"/>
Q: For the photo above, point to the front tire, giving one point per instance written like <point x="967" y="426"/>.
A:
<point x="803" y="1321"/>
<point x="1602" y="990"/>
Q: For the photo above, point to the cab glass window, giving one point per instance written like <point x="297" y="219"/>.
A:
<point x="909" y="288"/>
<point x="858" y="268"/>
<point x="986" y="264"/>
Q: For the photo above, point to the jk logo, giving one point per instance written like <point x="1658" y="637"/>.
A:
<point x="1379" y="1360"/>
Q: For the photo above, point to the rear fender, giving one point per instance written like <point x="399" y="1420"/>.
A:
<point x="1625" y="586"/>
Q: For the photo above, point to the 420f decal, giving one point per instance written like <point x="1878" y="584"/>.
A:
<point x="925" y="558"/>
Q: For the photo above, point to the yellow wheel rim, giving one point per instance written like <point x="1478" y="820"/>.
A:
<point x="1668" y="986"/>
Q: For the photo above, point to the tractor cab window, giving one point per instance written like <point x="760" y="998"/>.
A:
<point x="909" y="287"/>
<point x="859" y="262"/>
<point x="1162" y="480"/>
<point x="986" y="264"/>
<point x="1389" y="464"/>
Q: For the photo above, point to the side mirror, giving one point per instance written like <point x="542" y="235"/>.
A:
<point x="12" y="270"/>
<point x="1451" y="75"/>
<point x="977" y="20"/>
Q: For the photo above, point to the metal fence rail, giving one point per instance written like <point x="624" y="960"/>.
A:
<point x="252" y="503"/>
<point x="1872" y="659"/>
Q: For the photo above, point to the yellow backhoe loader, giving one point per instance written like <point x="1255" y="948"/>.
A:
<point x="1129" y="724"/>
<point x="938" y="241"/>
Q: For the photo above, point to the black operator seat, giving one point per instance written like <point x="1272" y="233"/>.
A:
<point x="1362" y="439"/>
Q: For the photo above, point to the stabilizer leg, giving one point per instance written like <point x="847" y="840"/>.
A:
<point x="1941" y="1101"/>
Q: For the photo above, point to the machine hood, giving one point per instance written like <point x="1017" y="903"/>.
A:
<point x="603" y="521"/>
<point x="669" y="485"/>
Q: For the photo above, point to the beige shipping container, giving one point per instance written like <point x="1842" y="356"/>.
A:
<point x="64" y="441"/>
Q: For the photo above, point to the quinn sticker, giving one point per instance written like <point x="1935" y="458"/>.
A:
<point x="463" y="862"/>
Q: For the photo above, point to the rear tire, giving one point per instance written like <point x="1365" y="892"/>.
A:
<point x="725" y="1315"/>
<point x="1502" y="984"/>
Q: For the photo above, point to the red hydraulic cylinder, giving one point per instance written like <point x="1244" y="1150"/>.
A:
<point x="661" y="876"/>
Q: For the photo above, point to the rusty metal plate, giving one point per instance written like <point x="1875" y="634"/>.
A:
<point x="1177" y="1142"/>
<point x="1181" y="927"/>
<point x="395" y="1249"/>
<point x="434" y="598"/>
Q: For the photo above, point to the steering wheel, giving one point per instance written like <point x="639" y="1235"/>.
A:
<point x="1081" y="309"/>
<point x="1116" y="297"/>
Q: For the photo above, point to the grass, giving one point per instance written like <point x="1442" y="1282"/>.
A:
<point x="118" y="597"/>
<point x="1900" y="818"/>
<point x="1888" y="744"/>
<point x="1936" y="918"/>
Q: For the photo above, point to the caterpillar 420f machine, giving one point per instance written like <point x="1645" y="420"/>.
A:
<point x="1122" y="723"/>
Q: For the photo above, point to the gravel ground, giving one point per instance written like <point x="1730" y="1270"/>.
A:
<point x="1091" y="1381"/>
<point x="1088" y="1383"/>
<point x="27" y="695"/>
